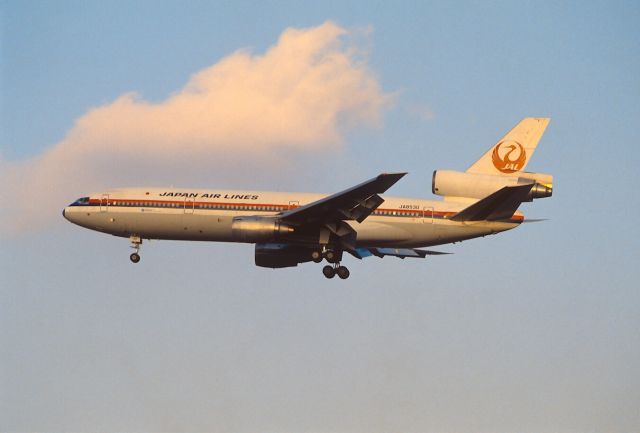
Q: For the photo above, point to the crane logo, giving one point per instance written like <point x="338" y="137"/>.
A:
<point x="509" y="156"/>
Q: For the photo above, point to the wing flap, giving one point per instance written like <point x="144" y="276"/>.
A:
<point x="363" y="209"/>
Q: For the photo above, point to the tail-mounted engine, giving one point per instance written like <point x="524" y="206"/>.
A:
<point x="453" y="184"/>
<point x="258" y="229"/>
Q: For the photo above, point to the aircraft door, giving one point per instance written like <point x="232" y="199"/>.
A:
<point x="427" y="215"/>
<point x="104" y="202"/>
<point x="294" y="204"/>
<point x="189" y="204"/>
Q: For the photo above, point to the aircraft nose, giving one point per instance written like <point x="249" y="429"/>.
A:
<point x="63" y="213"/>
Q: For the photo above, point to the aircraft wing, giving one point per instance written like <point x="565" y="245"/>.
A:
<point x="355" y="203"/>
<point x="395" y="252"/>
<point x="497" y="206"/>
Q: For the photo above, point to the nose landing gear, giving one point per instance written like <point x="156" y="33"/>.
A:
<point x="136" y="241"/>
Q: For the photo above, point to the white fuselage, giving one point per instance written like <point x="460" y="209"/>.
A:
<point x="206" y="215"/>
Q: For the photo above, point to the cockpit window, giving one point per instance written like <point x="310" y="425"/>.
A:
<point x="81" y="202"/>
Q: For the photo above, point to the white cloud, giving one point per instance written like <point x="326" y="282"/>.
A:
<point x="243" y="112"/>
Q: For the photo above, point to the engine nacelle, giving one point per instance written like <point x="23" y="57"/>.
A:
<point x="281" y="255"/>
<point x="470" y="185"/>
<point x="258" y="229"/>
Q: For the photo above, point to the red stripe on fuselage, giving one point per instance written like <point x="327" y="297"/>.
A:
<point x="192" y="204"/>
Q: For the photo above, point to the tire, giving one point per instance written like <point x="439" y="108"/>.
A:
<point x="343" y="272"/>
<point x="330" y="256"/>
<point x="135" y="257"/>
<point x="316" y="256"/>
<point x="328" y="271"/>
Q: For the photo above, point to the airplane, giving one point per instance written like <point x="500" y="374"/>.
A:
<point x="293" y="228"/>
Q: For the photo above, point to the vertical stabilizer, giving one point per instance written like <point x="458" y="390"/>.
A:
<point x="512" y="153"/>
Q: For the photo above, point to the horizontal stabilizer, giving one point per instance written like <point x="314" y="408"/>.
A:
<point x="535" y="220"/>
<point x="500" y="205"/>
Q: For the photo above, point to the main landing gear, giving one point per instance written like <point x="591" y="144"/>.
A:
<point x="316" y="256"/>
<point x="334" y="268"/>
<point x="136" y="241"/>
<point x="330" y="271"/>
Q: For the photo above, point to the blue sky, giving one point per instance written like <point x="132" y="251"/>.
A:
<point x="537" y="329"/>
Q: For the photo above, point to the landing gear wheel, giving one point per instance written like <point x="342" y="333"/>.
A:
<point x="328" y="271"/>
<point x="342" y="272"/>
<point x="330" y="256"/>
<point x="316" y="256"/>
<point x="136" y="242"/>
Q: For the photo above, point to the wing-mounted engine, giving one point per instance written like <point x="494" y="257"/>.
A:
<point x="455" y="184"/>
<point x="258" y="229"/>
<point x="281" y="255"/>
